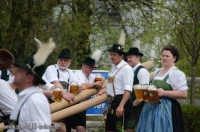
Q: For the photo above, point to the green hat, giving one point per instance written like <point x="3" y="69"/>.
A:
<point x="90" y="62"/>
<point x="28" y="64"/>
<point x="65" y="54"/>
<point x="134" y="51"/>
<point x="117" y="48"/>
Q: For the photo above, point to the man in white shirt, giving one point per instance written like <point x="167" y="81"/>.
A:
<point x="8" y="100"/>
<point x="60" y="75"/>
<point x="86" y="80"/>
<point x="32" y="111"/>
<point x="142" y="77"/>
<point x="119" y="88"/>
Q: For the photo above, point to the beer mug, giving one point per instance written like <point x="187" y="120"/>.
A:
<point x="98" y="77"/>
<point x="153" y="94"/>
<point x="74" y="87"/>
<point x="138" y="92"/>
<point x="57" y="93"/>
<point x="145" y="93"/>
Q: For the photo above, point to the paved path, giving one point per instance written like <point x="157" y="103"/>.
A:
<point x="183" y="101"/>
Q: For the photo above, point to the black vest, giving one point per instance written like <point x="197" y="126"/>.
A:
<point x="4" y="75"/>
<point x="135" y="81"/>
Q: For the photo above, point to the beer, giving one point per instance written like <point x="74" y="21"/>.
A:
<point x="57" y="94"/>
<point x="138" y="92"/>
<point x="153" y="94"/>
<point x="74" y="88"/>
<point x="98" y="77"/>
<point x="145" y="93"/>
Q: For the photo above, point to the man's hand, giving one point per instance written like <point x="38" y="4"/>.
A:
<point x="68" y="96"/>
<point x="101" y="92"/>
<point x="99" y="84"/>
<point x="119" y="111"/>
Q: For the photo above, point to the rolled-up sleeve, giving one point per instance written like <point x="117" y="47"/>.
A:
<point x="128" y="78"/>
<point x="177" y="80"/>
<point x="51" y="74"/>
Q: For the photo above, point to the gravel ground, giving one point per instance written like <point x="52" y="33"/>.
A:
<point x="93" y="126"/>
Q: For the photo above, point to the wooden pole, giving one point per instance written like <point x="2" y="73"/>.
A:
<point x="78" y="108"/>
<point x="56" y="106"/>
<point x="148" y="64"/>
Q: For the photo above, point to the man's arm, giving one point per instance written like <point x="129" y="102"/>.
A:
<point x="120" y="108"/>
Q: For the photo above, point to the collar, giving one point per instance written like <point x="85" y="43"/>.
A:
<point x="85" y="75"/>
<point x="119" y="65"/>
<point x="135" y="67"/>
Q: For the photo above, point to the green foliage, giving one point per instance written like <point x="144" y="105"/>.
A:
<point x="191" y="116"/>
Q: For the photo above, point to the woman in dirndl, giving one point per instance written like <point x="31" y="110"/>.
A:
<point x="171" y="83"/>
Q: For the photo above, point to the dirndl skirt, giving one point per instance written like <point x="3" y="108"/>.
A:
<point x="165" y="116"/>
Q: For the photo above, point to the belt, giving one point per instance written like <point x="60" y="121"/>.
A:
<point x="110" y="98"/>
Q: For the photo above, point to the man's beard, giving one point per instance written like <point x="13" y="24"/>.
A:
<point x="63" y="67"/>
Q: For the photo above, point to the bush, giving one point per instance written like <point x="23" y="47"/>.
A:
<point x="191" y="118"/>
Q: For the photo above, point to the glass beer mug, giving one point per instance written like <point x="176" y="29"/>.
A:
<point x="153" y="94"/>
<point x="57" y="93"/>
<point x="145" y="93"/>
<point x="98" y="77"/>
<point x="138" y="92"/>
<point x="74" y="87"/>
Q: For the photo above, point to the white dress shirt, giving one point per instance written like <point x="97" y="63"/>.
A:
<point x="123" y="79"/>
<point x="48" y="85"/>
<point x="82" y="78"/>
<point x="34" y="109"/>
<point x="66" y="75"/>
<point x="8" y="98"/>
<point x="176" y="79"/>
<point x="143" y="75"/>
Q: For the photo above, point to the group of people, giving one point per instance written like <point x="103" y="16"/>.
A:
<point x="124" y="112"/>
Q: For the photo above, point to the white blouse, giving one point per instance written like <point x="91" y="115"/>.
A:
<point x="176" y="79"/>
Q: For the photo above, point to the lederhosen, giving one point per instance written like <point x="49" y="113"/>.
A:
<point x="5" y="77"/>
<point x="63" y="83"/>
<point x="135" y="115"/>
<point x="119" y="124"/>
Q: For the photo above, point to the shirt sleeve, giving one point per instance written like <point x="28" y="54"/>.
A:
<point x="177" y="80"/>
<point x="143" y="76"/>
<point x="51" y="74"/>
<point x="128" y="78"/>
<point x="48" y="85"/>
<point x="80" y="77"/>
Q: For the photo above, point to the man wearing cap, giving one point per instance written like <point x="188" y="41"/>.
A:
<point x="60" y="75"/>
<point x="142" y="77"/>
<point x="32" y="106"/>
<point x="86" y="80"/>
<point x="119" y="88"/>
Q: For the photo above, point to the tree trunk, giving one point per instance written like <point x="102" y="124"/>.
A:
<point x="193" y="82"/>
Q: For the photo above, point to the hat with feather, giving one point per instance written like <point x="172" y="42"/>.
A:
<point x="120" y="46"/>
<point x="35" y="63"/>
<point x="91" y="61"/>
<point x="6" y="59"/>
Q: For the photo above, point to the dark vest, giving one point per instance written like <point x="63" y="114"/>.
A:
<point x="4" y="75"/>
<point x="135" y="81"/>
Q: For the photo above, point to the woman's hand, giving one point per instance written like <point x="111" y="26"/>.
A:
<point x="161" y="92"/>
